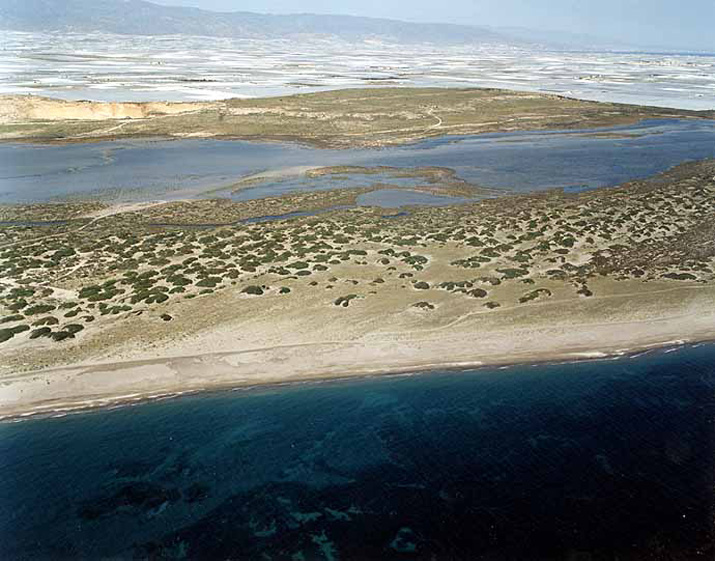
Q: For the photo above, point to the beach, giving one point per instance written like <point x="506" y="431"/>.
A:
<point x="297" y="348"/>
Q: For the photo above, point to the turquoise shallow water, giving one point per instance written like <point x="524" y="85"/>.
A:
<point x="133" y="170"/>
<point x="593" y="460"/>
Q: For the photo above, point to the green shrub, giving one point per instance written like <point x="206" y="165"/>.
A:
<point x="513" y="273"/>
<point x="584" y="291"/>
<point x="209" y="282"/>
<point x="39" y="309"/>
<point x="178" y="280"/>
<point x="61" y="336"/>
<point x="157" y="298"/>
<point x="344" y="301"/>
<point x="253" y="290"/>
<point x="62" y="253"/>
<point x="477" y="293"/>
<point x="279" y="271"/>
<point x="680" y="276"/>
<point x="557" y="274"/>
<point x="416" y="260"/>
<point x="103" y="294"/>
<point x="88" y="291"/>
<point x="40" y="332"/>
<point x="21" y="292"/>
<point x="15" y="317"/>
<point x="19" y="305"/>
<point x="534" y="295"/>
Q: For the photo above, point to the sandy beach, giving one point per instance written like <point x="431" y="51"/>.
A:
<point x="304" y="349"/>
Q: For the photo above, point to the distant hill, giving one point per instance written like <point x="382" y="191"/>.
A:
<point x="138" y="17"/>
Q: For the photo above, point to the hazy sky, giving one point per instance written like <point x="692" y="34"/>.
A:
<point x="674" y="23"/>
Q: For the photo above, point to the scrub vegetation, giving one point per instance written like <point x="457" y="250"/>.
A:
<point x="66" y="285"/>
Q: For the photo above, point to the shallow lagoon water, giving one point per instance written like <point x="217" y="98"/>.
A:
<point x="396" y="198"/>
<point x="135" y="170"/>
<point x="591" y="460"/>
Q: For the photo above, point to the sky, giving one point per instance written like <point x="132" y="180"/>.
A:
<point x="684" y="24"/>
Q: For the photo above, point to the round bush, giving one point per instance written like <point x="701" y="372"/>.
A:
<point x="40" y="332"/>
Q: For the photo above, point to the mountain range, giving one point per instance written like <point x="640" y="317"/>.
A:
<point x="138" y="17"/>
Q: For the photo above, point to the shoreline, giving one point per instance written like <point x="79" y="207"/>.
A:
<point x="96" y="403"/>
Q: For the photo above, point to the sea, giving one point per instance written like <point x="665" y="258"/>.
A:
<point x="593" y="460"/>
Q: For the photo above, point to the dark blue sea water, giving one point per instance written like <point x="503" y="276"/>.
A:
<point x="130" y="170"/>
<point x="589" y="461"/>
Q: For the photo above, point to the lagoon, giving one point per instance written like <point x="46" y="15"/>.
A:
<point x="140" y="170"/>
